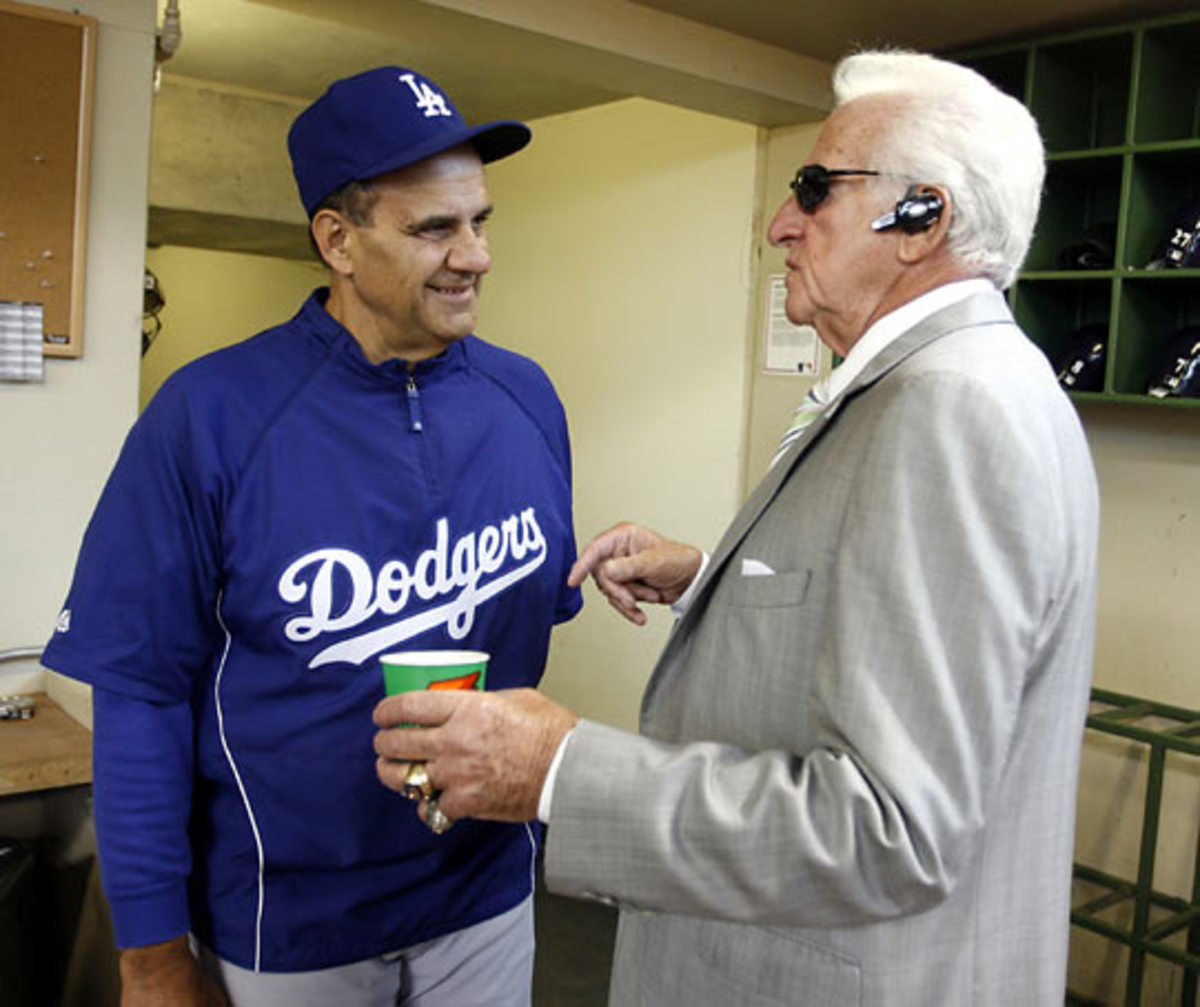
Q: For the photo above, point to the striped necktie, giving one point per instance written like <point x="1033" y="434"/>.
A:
<point x="805" y="413"/>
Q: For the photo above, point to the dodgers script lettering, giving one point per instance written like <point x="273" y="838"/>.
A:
<point x="476" y="567"/>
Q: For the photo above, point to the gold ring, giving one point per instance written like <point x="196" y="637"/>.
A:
<point x="437" y="820"/>
<point x="417" y="785"/>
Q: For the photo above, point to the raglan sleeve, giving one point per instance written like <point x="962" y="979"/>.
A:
<point x="139" y="625"/>
<point x="570" y="599"/>
<point x="140" y="616"/>
<point x="530" y="388"/>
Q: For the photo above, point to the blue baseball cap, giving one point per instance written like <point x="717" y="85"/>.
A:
<point x="380" y="121"/>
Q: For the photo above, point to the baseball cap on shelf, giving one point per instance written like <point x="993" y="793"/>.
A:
<point x="1081" y="366"/>
<point x="1177" y="372"/>
<point x="1093" y="249"/>
<point x="380" y="121"/>
<point x="1180" y="244"/>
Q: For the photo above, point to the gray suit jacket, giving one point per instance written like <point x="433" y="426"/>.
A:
<point x="855" y="779"/>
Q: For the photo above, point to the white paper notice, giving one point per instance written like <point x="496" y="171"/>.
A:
<point x="791" y="349"/>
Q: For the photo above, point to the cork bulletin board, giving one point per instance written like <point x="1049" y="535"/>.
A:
<point x="47" y="69"/>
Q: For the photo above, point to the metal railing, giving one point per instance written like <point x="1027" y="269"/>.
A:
<point x="1178" y="731"/>
<point x="19" y="653"/>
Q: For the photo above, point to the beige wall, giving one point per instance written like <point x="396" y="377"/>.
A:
<point x="1148" y="463"/>
<point x="217" y="298"/>
<point x="224" y="151"/>
<point x="623" y="249"/>
<point x="773" y="396"/>
<point x="61" y="437"/>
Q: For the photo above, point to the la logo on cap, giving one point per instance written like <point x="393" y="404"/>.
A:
<point x="429" y="101"/>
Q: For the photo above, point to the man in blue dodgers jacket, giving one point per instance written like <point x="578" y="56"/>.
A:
<point x="366" y="476"/>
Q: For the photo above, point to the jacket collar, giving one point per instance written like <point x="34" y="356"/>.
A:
<point x="988" y="308"/>
<point x="313" y="318"/>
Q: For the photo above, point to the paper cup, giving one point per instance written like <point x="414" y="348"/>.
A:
<point x="407" y="670"/>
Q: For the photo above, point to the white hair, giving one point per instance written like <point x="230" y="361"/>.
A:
<point x="950" y="126"/>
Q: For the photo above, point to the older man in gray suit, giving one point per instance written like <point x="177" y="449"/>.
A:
<point x="855" y="777"/>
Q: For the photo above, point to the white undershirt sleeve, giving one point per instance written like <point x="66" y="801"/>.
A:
<point x="547" y="795"/>
<point x="680" y="605"/>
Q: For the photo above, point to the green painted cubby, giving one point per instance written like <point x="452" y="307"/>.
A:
<point x="1119" y="112"/>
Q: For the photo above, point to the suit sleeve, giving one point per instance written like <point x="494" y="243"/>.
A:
<point x="913" y="684"/>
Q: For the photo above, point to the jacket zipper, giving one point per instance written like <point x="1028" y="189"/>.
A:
<point x="414" y="407"/>
<point x="416" y="425"/>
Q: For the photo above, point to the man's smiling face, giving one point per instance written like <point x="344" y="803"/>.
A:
<point x="418" y="262"/>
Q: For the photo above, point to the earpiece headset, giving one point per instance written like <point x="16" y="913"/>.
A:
<point x="917" y="211"/>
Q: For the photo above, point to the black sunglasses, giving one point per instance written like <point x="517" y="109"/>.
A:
<point x="811" y="184"/>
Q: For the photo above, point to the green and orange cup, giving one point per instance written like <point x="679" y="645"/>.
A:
<point x="408" y="670"/>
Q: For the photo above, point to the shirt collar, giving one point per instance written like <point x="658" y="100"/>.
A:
<point x="888" y="328"/>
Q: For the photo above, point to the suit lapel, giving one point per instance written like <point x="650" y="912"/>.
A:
<point x="977" y="310"/>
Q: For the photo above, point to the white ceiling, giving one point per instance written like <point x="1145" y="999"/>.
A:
<point x="485" y="55"/>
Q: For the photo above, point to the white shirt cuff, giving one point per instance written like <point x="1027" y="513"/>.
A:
<point x="547" y="795"/>
<point x="680" y="605"/>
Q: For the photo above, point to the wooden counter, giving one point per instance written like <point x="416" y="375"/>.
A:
<point x="51" y="749"/>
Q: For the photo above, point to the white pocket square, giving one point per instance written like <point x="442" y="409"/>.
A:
<point x="756" y="568"/>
